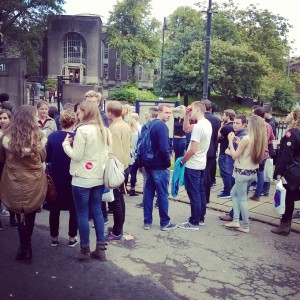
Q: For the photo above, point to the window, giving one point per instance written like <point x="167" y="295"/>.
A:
<point x="105" y="71"/>
<point x="106" y="51"/>
<point x="74" y="49"/>
<point x="118" y="66"/>
<point x="140" y="73"/>
<point x="118" y="71"/>
<point x="129" y="73"/>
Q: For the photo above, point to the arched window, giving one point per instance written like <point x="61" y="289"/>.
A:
<point x="74" y="49"/>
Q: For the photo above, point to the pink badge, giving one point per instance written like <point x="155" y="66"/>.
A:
<point x="89" y="166"/>
<point x="288" y="134"/>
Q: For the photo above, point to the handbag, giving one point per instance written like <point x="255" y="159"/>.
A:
<point x="113" y="172"/>
<point x="51" y="190"/>
<point x="268" y="170"/>
<point x="279" y="198"/>
<point x="108" y="195"/>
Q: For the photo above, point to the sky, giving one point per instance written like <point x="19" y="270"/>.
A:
<point x="163" y="8"/>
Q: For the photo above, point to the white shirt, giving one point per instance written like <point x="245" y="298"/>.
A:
<point x="201" y="134"/>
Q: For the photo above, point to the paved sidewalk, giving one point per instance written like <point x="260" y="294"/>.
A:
<point x="261" y="210"/>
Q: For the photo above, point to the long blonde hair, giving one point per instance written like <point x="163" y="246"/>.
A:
<point x="24" y="131"/>
<point x="257" y="138"/>
<point x="91" y="115"/>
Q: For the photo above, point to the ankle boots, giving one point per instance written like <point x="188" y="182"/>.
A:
<point x="283" y="229"/>
<point x="99" y="252"/>
<point x="24" y="254"/>
<point x="84" y="253"/>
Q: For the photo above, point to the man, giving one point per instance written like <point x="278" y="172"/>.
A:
<point x="239" y="127"/>
<point x="225" y="161"/>
<point x="195" y="159"/>
<point x="213" y="169"/>
<point x="152" y="114"/>
<point x="121" y="138"/>
<point x="213" y="147"/>
<point x="269" y="118"/>
<point x="260" y="111"/>
<point x="97" y="97"/>
<point x="158" y="175"/>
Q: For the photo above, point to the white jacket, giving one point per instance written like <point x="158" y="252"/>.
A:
<point x="88" y="154"/>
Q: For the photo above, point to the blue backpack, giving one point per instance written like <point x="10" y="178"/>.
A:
<point x="144" y="148"/>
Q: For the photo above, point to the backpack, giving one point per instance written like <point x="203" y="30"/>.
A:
<point x="144" y="150"/>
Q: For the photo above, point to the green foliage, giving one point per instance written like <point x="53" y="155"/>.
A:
<point x="130" y="93"/>
<point x="23" y="28"/>
<point x="133" y="34"/>
<point x="50" y="83"/>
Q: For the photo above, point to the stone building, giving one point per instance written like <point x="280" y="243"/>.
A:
<point x="76" y="47"/>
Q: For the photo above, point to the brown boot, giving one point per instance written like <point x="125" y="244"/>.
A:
<point x="283" y="229"/>
<point x="84" y="253"/>
<point x="99" y="252"/>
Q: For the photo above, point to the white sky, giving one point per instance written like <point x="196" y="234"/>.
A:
<point x="163" y="8"/>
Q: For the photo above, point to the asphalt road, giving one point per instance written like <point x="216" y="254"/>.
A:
<point x="212" y="263"/>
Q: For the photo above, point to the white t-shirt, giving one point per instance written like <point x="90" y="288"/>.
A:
<point x="201" y="134"/>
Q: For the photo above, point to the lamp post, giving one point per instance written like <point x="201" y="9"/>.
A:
<point x="207" y="51"/>
<point x="162" y="57"/>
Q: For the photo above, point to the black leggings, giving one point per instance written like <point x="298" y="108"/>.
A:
<point x="291" y="197"/>
<point x="25" y="228"/>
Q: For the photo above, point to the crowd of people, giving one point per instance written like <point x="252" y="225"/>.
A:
<point x="73" y="147"/>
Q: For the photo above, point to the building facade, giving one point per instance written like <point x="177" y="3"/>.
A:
<point x="77" y="48"/>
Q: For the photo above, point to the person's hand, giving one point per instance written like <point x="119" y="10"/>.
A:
<point x="68" y="138"/>
<point x="188" y="110"/>
<point x="231" y="136"/>
<point x="236" y="139"/>
<point x="227" y="151"/>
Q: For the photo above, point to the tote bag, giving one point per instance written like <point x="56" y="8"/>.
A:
<point x="113" y="172"/>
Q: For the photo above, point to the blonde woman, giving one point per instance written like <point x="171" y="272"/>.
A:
<point x="45" y="123"/>
<point x="88" y="154"/>
<point x="248" y="155"/>
<point x="23" y="182"/>
<point x="133" y="167"/>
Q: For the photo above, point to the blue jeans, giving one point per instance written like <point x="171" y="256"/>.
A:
<point x="226" y="170"/>
<point x="240" y="198"/>
<point x="179" y="145"/>
<point x="260" y="179"/>
<point x="194" y="185"/>
<point x="85" y="198"/>
<point x="266" y="188"/>
<point x="157" y="180"/>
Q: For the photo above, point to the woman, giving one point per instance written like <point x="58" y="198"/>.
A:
<point x="248" y="155"/>
<point x="132" y="164"/>
<point x="88" y="154"/>
<point x="23" y="182"/>
<point x="5" y="117"/>
<point x="179" y="140"/>
<point x="45" y="123"/>
<point x="289" y="152"/>
<point x="59" y="165"/>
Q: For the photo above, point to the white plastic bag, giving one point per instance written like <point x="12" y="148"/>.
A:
<point x="269" y="170"/>
<point x="113" y="172"/>
<point x="108" y="195"/>
<point x="279" y="198"/>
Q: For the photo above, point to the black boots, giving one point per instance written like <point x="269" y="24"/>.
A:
<point x="99" y="252"/>
<point x="283" y="229"/>
<point x="24" y="254"/>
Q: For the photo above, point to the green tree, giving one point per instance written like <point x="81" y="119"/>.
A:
<point x="23" y="27"/>
<point x="133" y="34"/>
